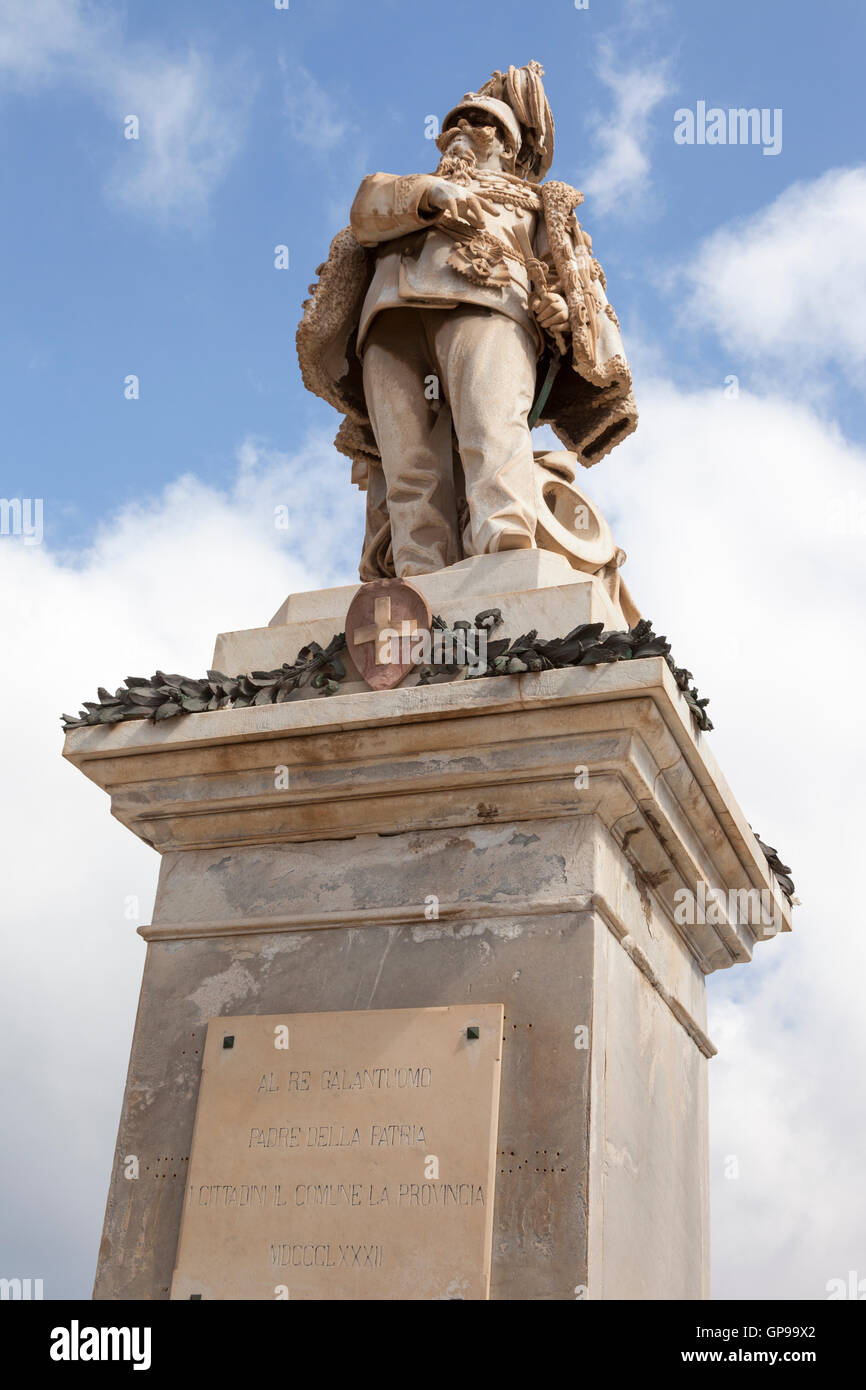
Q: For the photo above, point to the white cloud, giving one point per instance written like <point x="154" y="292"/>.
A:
<point x="324" y="122"/>
<point x="621" y="173"/>
<point x="192" y="110"/>
<point x="315" y="120"/>
<point x="38" y="38"/>
<point x="192" y="118"/>
<point x="787" y="286"/>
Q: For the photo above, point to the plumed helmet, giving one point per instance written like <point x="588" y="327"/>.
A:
<point x="517" y="100"/>
<point x="498" y="110"/>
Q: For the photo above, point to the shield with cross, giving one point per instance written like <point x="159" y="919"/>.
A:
<point x="383" y="619"/>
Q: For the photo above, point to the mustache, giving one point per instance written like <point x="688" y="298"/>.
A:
<point x="482" y="138"/>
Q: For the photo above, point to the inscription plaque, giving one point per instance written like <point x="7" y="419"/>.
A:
<point x="344" y="1156"/>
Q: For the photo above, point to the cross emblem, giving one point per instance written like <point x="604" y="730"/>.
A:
<point x="381" y="632"/>
<point x="378" y="647"/>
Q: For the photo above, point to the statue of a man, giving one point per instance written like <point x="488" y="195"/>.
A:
<point x="438" y="327"/>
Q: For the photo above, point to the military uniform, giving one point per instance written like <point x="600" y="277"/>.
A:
<point x="456" y="308"/>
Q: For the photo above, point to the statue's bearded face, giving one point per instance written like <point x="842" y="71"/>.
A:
<point x="475" y="142"/>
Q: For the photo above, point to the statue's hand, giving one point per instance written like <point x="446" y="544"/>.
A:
<point x="458" y="203"/>
<point x="551" y="311"/>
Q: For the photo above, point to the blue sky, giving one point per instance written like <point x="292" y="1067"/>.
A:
<point x="297" y="105"/>
<point x="742" y="507"/>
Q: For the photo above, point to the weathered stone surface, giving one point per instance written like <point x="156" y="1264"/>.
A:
<point x="508" y="574"/>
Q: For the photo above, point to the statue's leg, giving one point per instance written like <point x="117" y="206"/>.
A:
<point x="377" y="561"/>
<point x="488" y="365"/>
<point x="413" y="432"/>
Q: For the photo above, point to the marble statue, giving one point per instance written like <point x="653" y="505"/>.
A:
<point x="459" y="309"/>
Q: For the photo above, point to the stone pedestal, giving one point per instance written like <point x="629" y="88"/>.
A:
<point x="515" y="840"/>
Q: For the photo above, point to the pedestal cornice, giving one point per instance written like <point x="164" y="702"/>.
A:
<point x="488" y="751"/>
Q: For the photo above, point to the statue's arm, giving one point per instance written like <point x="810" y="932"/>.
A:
<point x="541" y="247"/>
<point x="548" y="305"/>
<point x="388" y="206"/>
